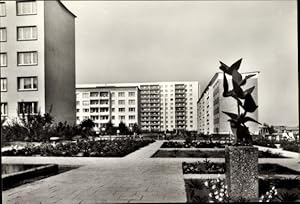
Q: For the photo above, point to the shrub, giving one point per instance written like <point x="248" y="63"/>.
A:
<point x="102" y="148"/>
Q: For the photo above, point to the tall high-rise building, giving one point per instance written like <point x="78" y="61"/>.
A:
<point x="211" y="103"/>
<point x="162" y="106"/>
<point x="37" y="59"/>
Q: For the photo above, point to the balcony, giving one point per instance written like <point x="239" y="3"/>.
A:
<point x="180" y="105"/>
<point x="179" y="96"/>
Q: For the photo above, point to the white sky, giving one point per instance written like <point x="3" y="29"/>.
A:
<point x="135" y="41"/>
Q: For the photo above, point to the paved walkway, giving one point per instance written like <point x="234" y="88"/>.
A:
<point x="135" y="178"/>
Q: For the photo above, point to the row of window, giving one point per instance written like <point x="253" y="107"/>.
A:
<point x="23" y="8"/>
<point x="23" y="58"/>
<point x="30" y="107"/>
<point x="122" y="102"/>
<point x="24" y="33"/>
<point x="105" y="94"/>
<point x="93" y="110"/>
<point x="105" y="117"/>
<point x="122" y="94"/>
<point x="24" y="84"/>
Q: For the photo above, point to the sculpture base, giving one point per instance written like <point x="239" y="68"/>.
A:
<point x="242" y="172"/>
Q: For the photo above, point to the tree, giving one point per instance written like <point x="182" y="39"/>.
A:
<point x="87" y="125"/>
<point x="136" y="128"/>
<point x="109" y="129"/>
<point x="123" y="128"/>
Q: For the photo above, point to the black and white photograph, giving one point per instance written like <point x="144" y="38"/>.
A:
<point x="149" y="101"/>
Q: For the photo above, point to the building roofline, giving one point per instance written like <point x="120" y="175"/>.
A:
<point x="59" y="1"/>
<point x="214" y="78"/>
<point x="108" y="87"/>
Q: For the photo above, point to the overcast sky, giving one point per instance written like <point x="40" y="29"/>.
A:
<point x="137" y="41"/>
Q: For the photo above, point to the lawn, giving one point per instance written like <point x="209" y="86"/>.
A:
<point x="207" y="154"/>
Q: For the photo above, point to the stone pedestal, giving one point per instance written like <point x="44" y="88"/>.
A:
<point x="242" y="172"/>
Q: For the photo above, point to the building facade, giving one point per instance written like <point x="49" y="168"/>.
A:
<point x="162" y="106"/>
<point x="37" y="59"/>
<point x="211" y="103"/>
<point x="108" y="103"/>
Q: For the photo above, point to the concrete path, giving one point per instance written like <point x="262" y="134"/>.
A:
<point x="134" y="178"/>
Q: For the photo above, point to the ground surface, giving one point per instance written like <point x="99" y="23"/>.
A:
<point x="134" y="178"/>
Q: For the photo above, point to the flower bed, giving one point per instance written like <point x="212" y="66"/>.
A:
<point x="209" y="190"/>
<point x="208" y="154"/>
<point x="195" y="144"/>
<point x="208" y="167"/>
<point x="102" y="148"/>
<point x="290" y="146"/>
<point x="264" y="143"/>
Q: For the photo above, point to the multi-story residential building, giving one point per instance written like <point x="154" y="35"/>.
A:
<point x="108" y="103"/>
<point x="163" y="105"/>
<point x="37" y="59"/>
<point x="211" y="103"/>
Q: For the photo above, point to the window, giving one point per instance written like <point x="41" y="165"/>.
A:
<point x="27" y="83"/>
<point x="121" y="94"/>
<point x="121" y="109"/>
<point x="94" y="102"/>
<point x="112" y="102"/>
<point x="103" y="102"/>
<point x="113" y="117"/>
<point x="132" y="117"/>
<point x="27" y="58"/>
<point x="85" y="95"/>
<point x="3" y="59"/>
<point x="113" y="94"/>
<point x="131" y="102"/>
<point x="113" y="110"/>
<point x="121" y="117"/>
<point x="26" y="8"/>
<point x="86" y="110"/>
<point x="27" y="33"/>
<point x="103" y="117"/>
<point x="103" y="110"/>
<point x="77" y="103"/>
<point x="2" y="9"/>
<point x="85" y="103"/>
<point x="131" y="109"/>
<point x="121" y="102"/>
<point x="3" y="84"/>
<point x="131" y="94"/>
<point x="94" y="94"/>
<point x="3" y="35"/>
<point x="3" y="109"/>
<point x="77" y="110"/>
<point x="103" y="94"/>
<point x="94" y="110"/>
<point x="27" y="107"/>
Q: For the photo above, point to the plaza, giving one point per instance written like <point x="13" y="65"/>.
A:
<point x="135" y="178"/>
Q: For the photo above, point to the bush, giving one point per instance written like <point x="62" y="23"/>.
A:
<point x="264" y="142"/>
<point x="102" y="148"/>
<point x="290" y="146"/>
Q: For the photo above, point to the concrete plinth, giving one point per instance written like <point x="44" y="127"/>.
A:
<point x="242" y="172"/>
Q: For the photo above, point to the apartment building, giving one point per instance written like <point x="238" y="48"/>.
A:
<point x="211" y="103"/>
<point x="108" y="103"/>
<point x="37" y="59"/>
<point x="163" y="106"/>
